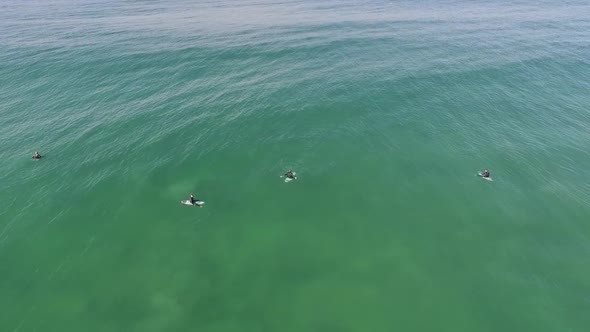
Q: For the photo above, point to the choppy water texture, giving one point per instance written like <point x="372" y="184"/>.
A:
<point x="386" y="110"/>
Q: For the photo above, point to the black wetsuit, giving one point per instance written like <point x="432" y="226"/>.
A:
<point x="290" y="175"/>
<point x="486" y="174"/>
<point x="192" y="200"/>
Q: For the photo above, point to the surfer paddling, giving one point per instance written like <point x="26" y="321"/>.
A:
<point x="485" y="173"/>
<point x="36" y="155"/>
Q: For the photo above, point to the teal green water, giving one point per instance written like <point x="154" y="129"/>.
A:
<point x="386" y="111"/>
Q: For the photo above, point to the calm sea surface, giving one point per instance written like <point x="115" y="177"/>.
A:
<point x="386" y="110"/>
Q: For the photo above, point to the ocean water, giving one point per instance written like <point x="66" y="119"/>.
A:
<point x="385" y="109"/>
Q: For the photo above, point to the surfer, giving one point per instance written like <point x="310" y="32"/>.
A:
<point x="486" y="173"/>
<point x="290" y="174"/>
<point x="36" y="155"/>
<point x="192" y="201"/>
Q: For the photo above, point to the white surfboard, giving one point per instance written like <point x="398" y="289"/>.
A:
<point x="480" y="174"/>
<point x="188" y="202"/>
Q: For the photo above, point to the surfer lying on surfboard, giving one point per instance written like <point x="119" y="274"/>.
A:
<point x="290" y="175"/>
<point x="36" y="155"/>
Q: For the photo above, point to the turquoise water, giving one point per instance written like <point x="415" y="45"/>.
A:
<point x="386" y="111"/>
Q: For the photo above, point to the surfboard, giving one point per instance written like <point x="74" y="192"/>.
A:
<point x="188" y="202"/>
<point x="480" y="174"/>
